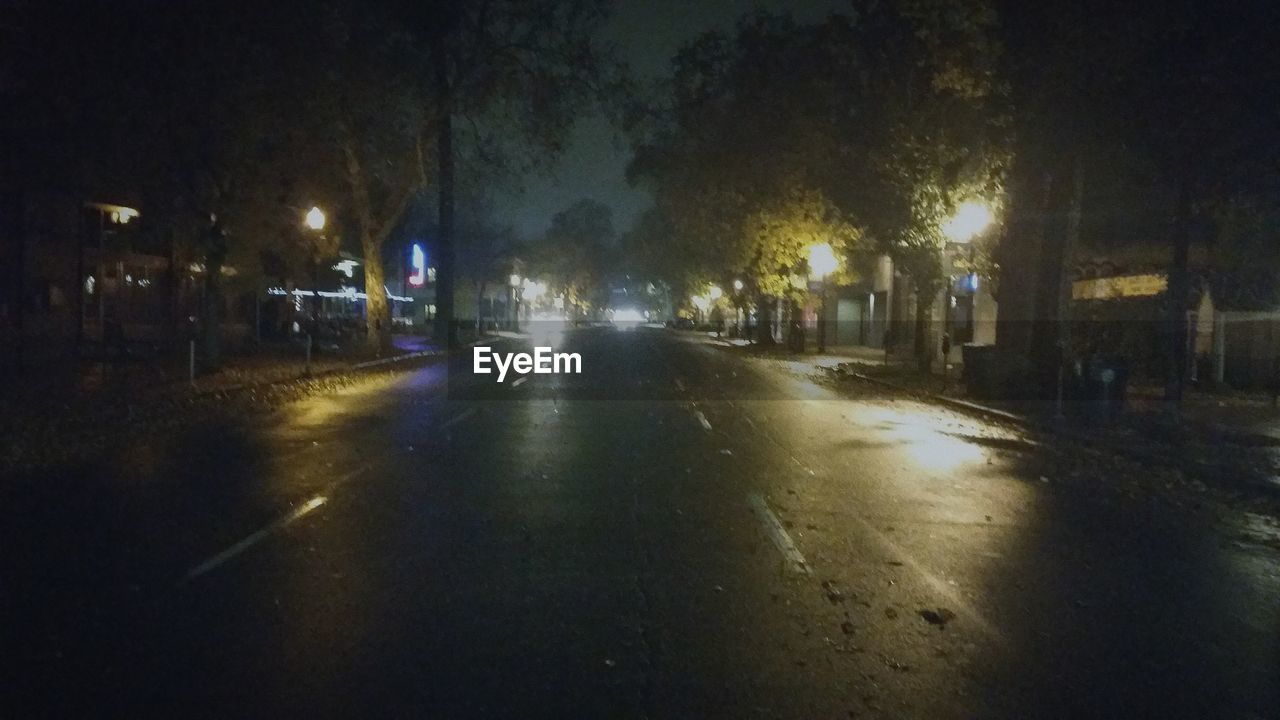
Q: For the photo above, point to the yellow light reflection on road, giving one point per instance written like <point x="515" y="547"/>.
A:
<point x="547" y="330"/>
<point x="922" y="435"/>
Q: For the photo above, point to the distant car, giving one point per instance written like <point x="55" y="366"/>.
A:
<point x="680" y="324"/>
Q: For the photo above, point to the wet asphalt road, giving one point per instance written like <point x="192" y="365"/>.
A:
<point x="677" y="532"/>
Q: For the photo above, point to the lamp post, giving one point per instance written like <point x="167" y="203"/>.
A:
<point x="314" y="221"/>
<point x="738" y="285"/>
<point x="822" y="262"/>
<point x="716" y="314"/>
<point x="514" y="311"/>
<point x="970" y="219"/>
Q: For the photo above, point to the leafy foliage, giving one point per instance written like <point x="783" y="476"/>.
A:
<point x="578" y="254"/>
<point x="869" y="127"/>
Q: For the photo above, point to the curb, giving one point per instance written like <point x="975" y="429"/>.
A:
<point x="955" y="402"/>
<point x="1095" y="443"/>
<point x="334" y="371"/>
<point x="392" y="359"/>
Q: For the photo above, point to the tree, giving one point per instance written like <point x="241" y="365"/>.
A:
<point x="728" y="158"/>
<point x="577" y="254"/>
<point x="368" y="122"/>
<point x="1102" y="88"/>
<point x="519" y="69"/>
<point x="882" y="121"/>
<point x="174" y="109"/>
<point x="935" y="137"/>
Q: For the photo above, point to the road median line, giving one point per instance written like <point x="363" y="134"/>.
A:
<point x="792" y="558"/>
<point x="299" y="512"/>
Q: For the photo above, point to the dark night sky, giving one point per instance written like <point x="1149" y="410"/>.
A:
<point x="647" y="33"/>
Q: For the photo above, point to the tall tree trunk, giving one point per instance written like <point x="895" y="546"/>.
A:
<point x="1176" y="317"/>
<point x="483" y="284"/>
<point x="172" y="296"/>
<point x="15" y="225"/>
<point x="1070" y="240"/>
<point x="795" y="326"/>
<point x="764" y="321"/>
<point x="377" y="312"/>
<point x="923" y="347"/>
<point x="446" y="330"/>
<point x="211" y="299"/>
<point x="372" y="234"/>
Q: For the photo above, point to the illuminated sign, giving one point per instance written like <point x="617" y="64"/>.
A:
<point x="418" y="260"/>
<point x="1119" y="287"/>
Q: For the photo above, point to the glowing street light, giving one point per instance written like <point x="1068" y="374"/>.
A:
<point x="315" y="218"/>
<point x="533" y="289"/>
<point x="514" y="280"/>
<point x="970" y="219"/>
<point x="822" y="260"/>
<point x="715" y="293"/>
<point x="737" y="285"/>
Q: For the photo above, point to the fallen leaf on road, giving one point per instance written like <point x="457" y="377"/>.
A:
<point x="833" y="594"/>
<point x="939" y="617"/>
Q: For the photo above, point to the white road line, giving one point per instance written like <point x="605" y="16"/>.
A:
<point x="459" y="418"/>
<point x="519" y="380"/>
<point x="289" y="518"/>
<point x="892" y="548"/>
<point x="253" y="539"/>
<point x="795" y="562"/>
<point x="940" y="586"/>
<point x="706" y="424"/>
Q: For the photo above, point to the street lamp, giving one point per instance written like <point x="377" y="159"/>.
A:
<point x="822" y="262"/>
<point x="738" y="285"/>
<point x="969" y="220"/>
<point x="315" y="221"/>
<point x="315" y="218"/>
<point x="533" y="290"/>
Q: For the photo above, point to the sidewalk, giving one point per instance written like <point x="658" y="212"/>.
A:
<point x="1245" y="417"/>
<point x="58" y="414"/>
<point x="1232" y="442"/>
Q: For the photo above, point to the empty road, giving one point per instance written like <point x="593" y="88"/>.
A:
<point x="680" y="531"/>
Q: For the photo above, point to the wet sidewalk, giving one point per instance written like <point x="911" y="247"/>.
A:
<point x="1230" y="442"/>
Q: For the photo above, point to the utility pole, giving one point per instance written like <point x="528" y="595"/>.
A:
<point x="1069" y="241"/>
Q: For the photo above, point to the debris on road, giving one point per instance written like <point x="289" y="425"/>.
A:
<point x="939" y="617"/>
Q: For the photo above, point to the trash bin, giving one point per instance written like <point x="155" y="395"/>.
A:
<point x="979" y="373"/>
<point x="1105" y="379"/>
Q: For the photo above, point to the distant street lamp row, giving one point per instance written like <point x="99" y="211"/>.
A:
<point x="970" y="219"/>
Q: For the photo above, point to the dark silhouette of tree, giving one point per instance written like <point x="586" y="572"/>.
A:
<point x="577" y="254"/>
<point x="516" y="72"/>
<point x="878" y="124"/>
